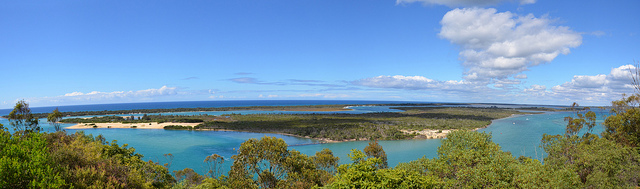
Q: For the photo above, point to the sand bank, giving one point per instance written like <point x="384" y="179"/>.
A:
<point x="429" y="133"/>
<point x="153" y="125"/>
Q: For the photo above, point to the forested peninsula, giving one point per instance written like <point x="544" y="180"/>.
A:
<point x="413" y="122"/>
<point x="31" y="159"/>
<point x="318" y="108"/>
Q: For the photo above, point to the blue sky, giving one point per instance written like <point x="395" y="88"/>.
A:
<point x="55" y="53"/>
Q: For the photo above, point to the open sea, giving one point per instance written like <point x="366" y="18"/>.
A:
<point x="519" y="135"/>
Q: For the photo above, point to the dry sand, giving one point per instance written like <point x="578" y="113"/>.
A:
<point x="429" y="133"/>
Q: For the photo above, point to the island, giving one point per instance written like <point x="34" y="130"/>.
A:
<point x="414" y="122"/>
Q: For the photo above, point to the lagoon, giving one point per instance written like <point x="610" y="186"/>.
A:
<point x="519" y="135"/>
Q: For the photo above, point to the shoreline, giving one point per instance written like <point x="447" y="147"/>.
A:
<point x="421" y="134"/>
<point x="152" y="125"/>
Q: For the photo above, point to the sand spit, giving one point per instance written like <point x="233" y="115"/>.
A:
<point x="429" y="133"/>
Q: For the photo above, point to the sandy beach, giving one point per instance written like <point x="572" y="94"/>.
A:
<point x="153" y="125"/>
<point x="430" y="133"/>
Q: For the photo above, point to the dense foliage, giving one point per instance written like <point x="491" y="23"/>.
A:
<point x="142" y="111"/>
<point x="22" y="120"/>
<point x="145" y="119"/>
<point x="60" y="160"/>
<point x="466" y="159"/>
<point x="370" y="126"/>
<point x="263" y="108"/>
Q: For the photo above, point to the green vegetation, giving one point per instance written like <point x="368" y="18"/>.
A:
<point x="340" y="127"/>
<point x="22" y="119"/>
<point x="60" y="160"/>
<point x="262" y="108"/>
<point x="147" y="111"/>
<point x="466" y="159"/>
<point x="375" y="150"/>
<point x="54" y="118"/>
<point x="145" y="119"/>
<point x="177" y="127"/>
<point x="370" y="126"/>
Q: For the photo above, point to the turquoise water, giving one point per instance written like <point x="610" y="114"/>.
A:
<point x="354" y="110"/>
<point x="519" y="134"/>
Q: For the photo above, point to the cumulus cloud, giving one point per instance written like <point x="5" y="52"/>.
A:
<point x="597" y="88"/>
<point x="419" y="83"/>
<point x="462" y="3"/>
<point x="498" y="45"/>
<point x="536" y="90"/>
<point x="398" y="82"/>
<point x="520" y="76"/>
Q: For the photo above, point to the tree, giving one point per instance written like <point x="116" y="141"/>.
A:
<point x="25" y="162"/>
<point x="375" y="150"/>
<point x="214" y="163"/>
<point x="363" y="173"/>
<point x="169" y="158"/>
<point x="54" y="117"/>
<point x="585" y="117"/>
<point x="326" y="161"/>
<point x="21" y="118"/>
<point x="267" y="163"/>
<point x="597" y="162"/>
<point x="189" y="177"/>
<point x="145" y="117"/>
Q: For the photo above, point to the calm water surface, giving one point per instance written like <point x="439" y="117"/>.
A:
<point x="519" y="135"/>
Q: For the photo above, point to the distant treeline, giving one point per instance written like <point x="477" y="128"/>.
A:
<point x="336" y="126"/>
<point x="265" y="108"/>
<point x="145" y="119"/>
<point x="147" y="111"/>
<point x="370" y="126"/>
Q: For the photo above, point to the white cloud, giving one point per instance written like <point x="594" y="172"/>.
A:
<point x="462" y="3"/>
<point x="398" y="82"/>
<point x="213" y="96"/>
<point x="586" y="81"/>
<point x="599" y="88"/>
<point x="524" y="2"/>
<point x="97" y="95"/>
<point x="536" y="90"/>
<point x="419" y="83"/>
<point x="520" y="76"/>
<point x="105" y="97"/>
<point x="307" y="95"/>
<point x="498" y="45"/>
<point x="74" y="94"/>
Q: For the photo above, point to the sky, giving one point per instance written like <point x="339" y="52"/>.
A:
<point x="57" y="53"/>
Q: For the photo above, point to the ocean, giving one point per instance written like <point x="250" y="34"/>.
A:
<point x="200" y="104"/>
